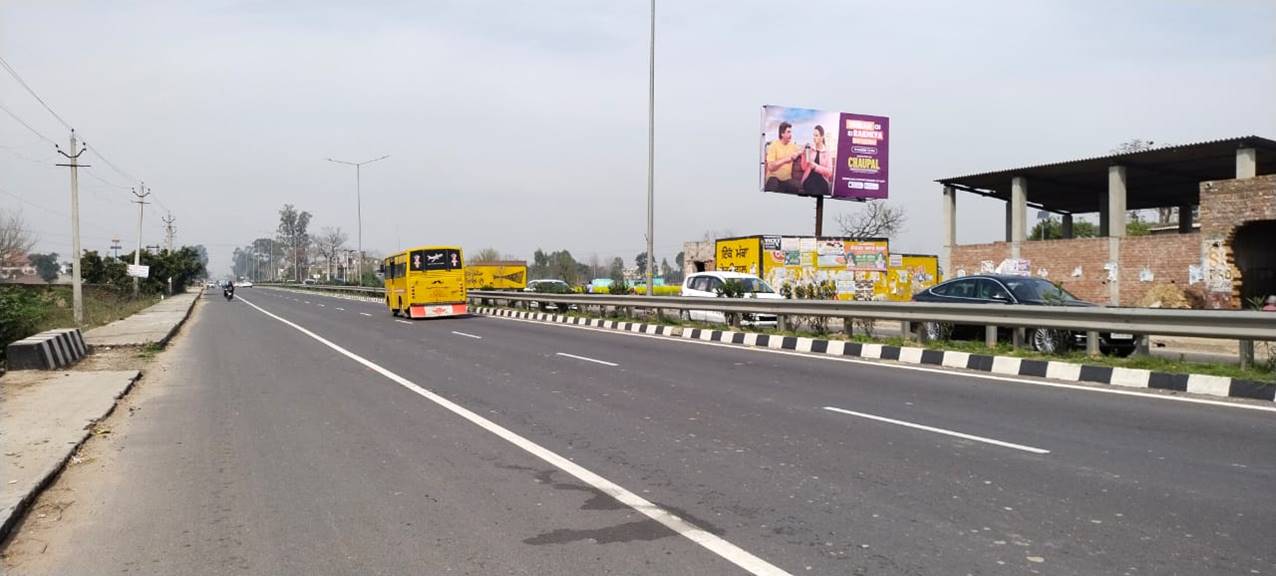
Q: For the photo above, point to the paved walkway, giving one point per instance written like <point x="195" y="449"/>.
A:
<point x="44" y="417"/>
<point x="154" y="325"/>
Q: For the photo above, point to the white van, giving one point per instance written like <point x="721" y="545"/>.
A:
<point x="709" y="284"/>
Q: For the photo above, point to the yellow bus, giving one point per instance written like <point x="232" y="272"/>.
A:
<point x="425" y="282"/>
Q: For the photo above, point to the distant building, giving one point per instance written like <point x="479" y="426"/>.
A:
<point x="1227" y="255"/>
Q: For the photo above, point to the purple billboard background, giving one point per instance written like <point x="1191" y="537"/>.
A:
<point x="862" y="157"/>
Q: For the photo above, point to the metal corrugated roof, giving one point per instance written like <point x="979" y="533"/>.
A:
<point x="1165" y="176"/>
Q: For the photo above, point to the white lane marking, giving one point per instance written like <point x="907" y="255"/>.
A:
<point x="467" y="335"/>
<point x="322" y="306"/>
<point x="603" y="362"/>
<point x="402" y="321"/>
<point x="365" y="313"/>
<point x="940" y="431"/>
<point x="341" y="309"/>
<point x="964" y="374"/>
<point x="307" y="301"/>
<point x="711" y="542"/>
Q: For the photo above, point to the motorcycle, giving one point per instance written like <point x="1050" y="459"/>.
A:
<point x="229" y="293"/>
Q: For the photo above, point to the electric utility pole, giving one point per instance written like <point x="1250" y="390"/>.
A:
<point x="168" y="231"/>
<point x="358" y="166"/>
<point x="77" y="295"/>
<point x="137" y="254"/>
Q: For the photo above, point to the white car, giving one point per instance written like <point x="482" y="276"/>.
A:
<point x="710" y="284"/>
<point x="549" y="286"/>
<point x="244" y="284"/>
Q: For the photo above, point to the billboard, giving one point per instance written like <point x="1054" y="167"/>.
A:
<point x="828" y="154"/>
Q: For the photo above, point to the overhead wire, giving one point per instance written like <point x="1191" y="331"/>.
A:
<point x="30" y="91"/>
<point x="14" y="73"/>
<point x="25" y="125"/>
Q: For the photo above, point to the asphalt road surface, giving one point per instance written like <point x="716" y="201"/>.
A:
<point x="302" y="434"/>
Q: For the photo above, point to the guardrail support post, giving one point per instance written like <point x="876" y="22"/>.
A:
<point x="1141" y="345"/>
<point x="906" y="330"/>
<point x="1016" y="338"/>
<point x="1092" y="343"/>
<point x="990" y="336"/>
<point x="781" y="323"/>
<point x="848" y="326"/>
<point x="1247" y="354"/>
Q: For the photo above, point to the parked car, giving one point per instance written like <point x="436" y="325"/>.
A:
<point x="1007" y="289"/>
<point x="244" y="284"/>
<point x="712" y="284"/>
<point x="549" y="286"/>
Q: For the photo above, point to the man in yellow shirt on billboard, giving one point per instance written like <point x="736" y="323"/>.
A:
<point x="780" y="156"/>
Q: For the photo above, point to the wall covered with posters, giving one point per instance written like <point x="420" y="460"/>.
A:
<point x="860" y="269"/>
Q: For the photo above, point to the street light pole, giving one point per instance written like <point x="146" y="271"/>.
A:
<point x="651" y="153"/>
<point x="358" y="193"/>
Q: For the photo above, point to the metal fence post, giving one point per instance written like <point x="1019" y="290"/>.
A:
<point x="1092" y="343"/>
<point x="1247" y="354"/>
<point x="848" y="325"/>
<point x="990" y="336"/>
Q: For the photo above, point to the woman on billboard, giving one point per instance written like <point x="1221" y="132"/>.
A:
<point x="817" y="166"/>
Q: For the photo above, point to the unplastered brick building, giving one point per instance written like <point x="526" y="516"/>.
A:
<point x="1223" y="247"/>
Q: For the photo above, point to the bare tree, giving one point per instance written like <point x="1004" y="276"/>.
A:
<point x="16" y="240"/>
<point x="486" y="255"/>
<point x="329" y="244"/>
<point x="877" y="220"/>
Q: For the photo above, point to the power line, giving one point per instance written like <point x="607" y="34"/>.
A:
<point x="46" y="106"/>
<point x="37" y="97"/>
<point x="25" y="125"/>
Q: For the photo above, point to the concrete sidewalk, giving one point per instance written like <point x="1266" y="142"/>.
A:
<point x="154" y="325"/>
<point x="44" y="417"/>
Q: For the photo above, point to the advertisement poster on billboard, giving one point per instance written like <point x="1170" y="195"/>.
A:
<point x="824" y="154"/>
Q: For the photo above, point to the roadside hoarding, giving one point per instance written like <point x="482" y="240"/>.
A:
<point x="506" y="275"/>
<point x="826" y="154"/>
<point x="139" y="270"/>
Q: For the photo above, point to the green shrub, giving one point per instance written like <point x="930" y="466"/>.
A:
<point x="21" y="311"/>
<point x="619" y="287"/>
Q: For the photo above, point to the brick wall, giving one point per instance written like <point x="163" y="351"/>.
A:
<point x="968" y="256"/>
<point x="1060" y="257"/>
<point x="1167" y="256"/>
<point x="1225" y="206"/>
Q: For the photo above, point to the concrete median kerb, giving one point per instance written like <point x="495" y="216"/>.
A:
<point x="154" y="325"/>
<point x="1203" y="384"/>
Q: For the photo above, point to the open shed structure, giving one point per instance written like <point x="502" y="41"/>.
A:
<point x="1229" y="255"/>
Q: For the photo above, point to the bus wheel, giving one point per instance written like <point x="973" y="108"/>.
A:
<point x="394" y="311"/>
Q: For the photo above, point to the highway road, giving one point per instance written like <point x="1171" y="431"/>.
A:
<point x="303" y="434"/>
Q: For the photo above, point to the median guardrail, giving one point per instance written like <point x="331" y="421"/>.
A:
<point x="1219" y="324"/>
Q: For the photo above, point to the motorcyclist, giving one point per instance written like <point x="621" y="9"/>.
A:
<point x="229" y="290"/>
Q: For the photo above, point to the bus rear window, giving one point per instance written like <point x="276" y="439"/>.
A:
<point x="432" y="260"/>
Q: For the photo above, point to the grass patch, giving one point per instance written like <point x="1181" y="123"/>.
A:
<point x="102" y="306"/>
<point x="1153" y="363"/>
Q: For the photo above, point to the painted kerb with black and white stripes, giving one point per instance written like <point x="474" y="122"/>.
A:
<point x="1204" y="384"/>
<point x="49" y="350"/>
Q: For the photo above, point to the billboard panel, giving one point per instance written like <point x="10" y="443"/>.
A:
<point x="816" y="153"/>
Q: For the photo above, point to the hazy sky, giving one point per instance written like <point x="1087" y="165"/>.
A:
<point x="520" y="125"/>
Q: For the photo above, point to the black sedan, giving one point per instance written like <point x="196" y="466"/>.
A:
<point x="1006" y="289"/>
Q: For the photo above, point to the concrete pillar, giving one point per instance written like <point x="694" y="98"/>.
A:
<point x="1103" y="214"/>
<point x="1185" y="218"/>
<point x="1116" y="227"/>
<point x="950" y="230"/>
<point x="1067" y="226"/>
<point x="1246" y="163"/>
<point x="1009" y="228"/>
<point x="1018" y="213"/>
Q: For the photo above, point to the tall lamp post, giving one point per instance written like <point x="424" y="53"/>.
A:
<point x="358" y="166"/>
<point x="651" y="153"/>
